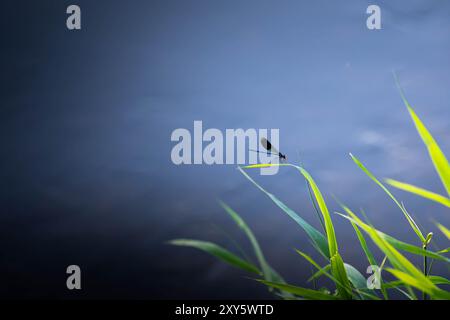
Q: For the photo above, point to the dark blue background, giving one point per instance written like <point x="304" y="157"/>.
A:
<point x="86" y="119"/>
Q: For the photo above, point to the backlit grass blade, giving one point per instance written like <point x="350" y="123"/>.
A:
<point x="427" y="287"/>
<point x="331" y="236"/>
<point x="444" y="230"/>
<point x="439" y="280"/>
<point x="301" y="292"/>
<point x="337" y="265"/>
<point x="414" y="277"/>
<point x="339" y="272"/>
<point x="420" y="192"/>
<point x="316" y="236"/>
<point x="324" y="271"/>
<point x="411" y="221"/>
<point x="434" y="279"/>
<point x="320" y="272"/>
<point x="267" y="272"/>
<point x="218" y="252"/>
<point x="363" y="244"/>
<point x="437" y="156"/>
<point x="400" y="245"/>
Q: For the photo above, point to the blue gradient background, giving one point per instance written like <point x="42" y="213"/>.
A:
<point x="86" y="119"/>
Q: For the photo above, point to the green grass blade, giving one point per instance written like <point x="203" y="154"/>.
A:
<point x="444" y="230"/>
<point x="411" y="221"/>
<point x="316" y="236"/>
<point x="438" y="158"/>
<point x="400" y="245"/>
<point x="331" y="236"/>
<point x="266" y="269"/>
<point x="301" y="292"/>
<point x="337" y="265"/>
<point x="355" y="277"/>
<point x="218" y="252"/>
<point x="343" y="286"/>
<point x="364" y="246"/>
<point x="439" y="280"/>
<point x="433" y="279"/>
<point x="427" y="287"/>
<point x="320" y="272"/>
<point x="339" y="272"/>
<point x="414" y="277"/>
<point x="420" y="192"/>
<point x="359" y="282"/>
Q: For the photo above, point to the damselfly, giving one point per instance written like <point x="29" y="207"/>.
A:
<point x="271" y="150"/>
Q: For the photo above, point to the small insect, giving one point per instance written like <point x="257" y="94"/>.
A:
<point x="270" y="149"/>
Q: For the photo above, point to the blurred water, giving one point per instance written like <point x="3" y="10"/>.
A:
<point x="87" y="118"/>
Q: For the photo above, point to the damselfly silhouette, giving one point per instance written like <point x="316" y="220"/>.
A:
<point x="270" y="149"/>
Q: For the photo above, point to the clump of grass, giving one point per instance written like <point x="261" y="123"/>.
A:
<point x="349" y="283"/>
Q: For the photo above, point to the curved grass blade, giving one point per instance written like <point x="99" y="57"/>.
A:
<point x="324" y="271"/>
<point x="420" y="192"/>
<point x="438" y="158"/>
<point x="433" y="279"/>
<point x="331" y="236"/>
<point x="439" y="280"/>
<point x="316" y="236"/>
<point x="320" y="272"/>
<point x="411" y="221"/>
<point x="414" y="277"/>
<point x="338" y="270"/>
<point x="444" y="230"/>
<point x="337" y="265"/>
<point x="267" y="271"/>
<point x="427" y="287"/>
<point x="364" y="246"/>
<point x="400" y="245"/>
<point x="218" y="252"/>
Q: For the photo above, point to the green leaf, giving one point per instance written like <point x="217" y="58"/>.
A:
<point x="437" y="156"/>
<point x="339" y="272"/>
<point x="320" y="272"/>
<point x="414" y="277"/>
<point x="344" y="285"/>
<point x="427" y="287"/>
<point x="444" y="230"/>
<point x="266" y="269"/>
<point x="420" y="192"/>
<point x="218" y="252"/>
<point x="316" y="236"/>
<point x="439" y="280"/>
<point x="337" y="265"/>
<point x="364" y="246"/>
<point x="433" y="279"/>
<point x="331" y="236"/>
<point x="368" y="253"/>
<point x="411" y="221"/>
<point x="400" y="245"/>
<point x="355" y="277"/>
<point x="301" y="292"/>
